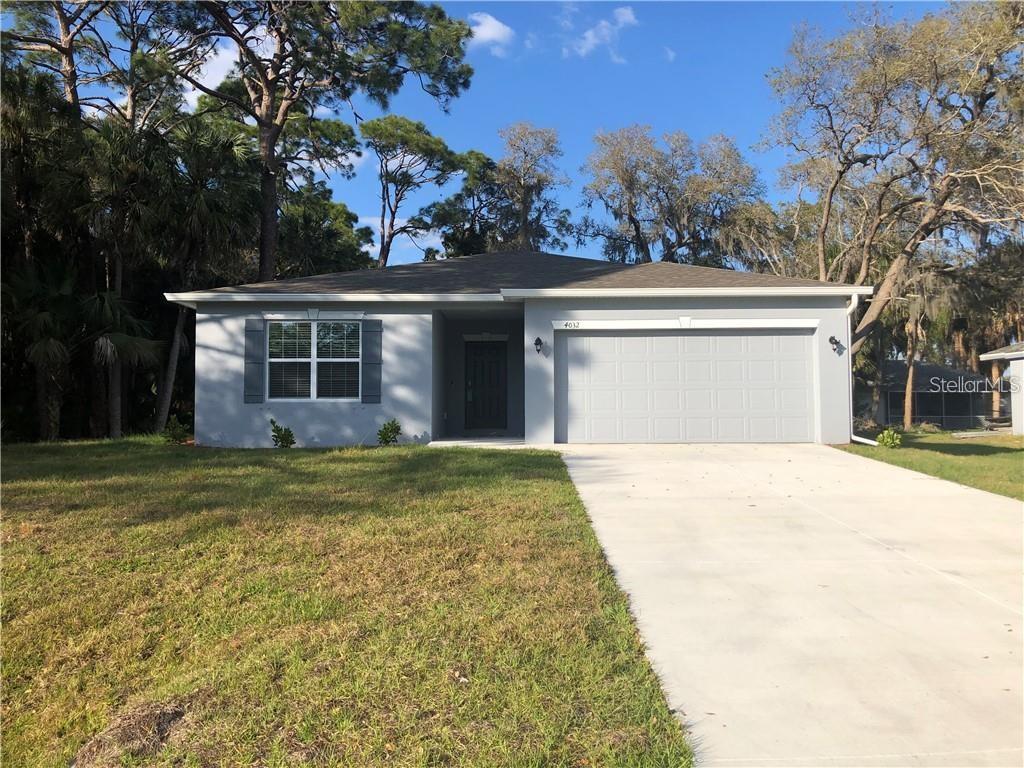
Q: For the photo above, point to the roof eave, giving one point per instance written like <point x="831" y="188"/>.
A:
<point x="825" y="290"/>
<point x="1012" y="355"/>
<point x="192" y="298"/>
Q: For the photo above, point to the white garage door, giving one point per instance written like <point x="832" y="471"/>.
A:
<point x="680" y="387"/>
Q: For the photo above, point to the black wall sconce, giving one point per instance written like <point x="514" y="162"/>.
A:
<point x="837" y="345"/>
<point x="538" y="344"/>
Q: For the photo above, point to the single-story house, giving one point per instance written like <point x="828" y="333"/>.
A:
<point x="1014" y="356"/>
<point x="537" y="346"/>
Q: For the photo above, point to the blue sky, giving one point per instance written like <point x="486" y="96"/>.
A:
<point x="581" y="68"/>
<point x="585" y="67"/>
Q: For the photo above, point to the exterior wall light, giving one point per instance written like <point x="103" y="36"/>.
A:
<point x="834" y="342"/>
<point x="538" y="344"/>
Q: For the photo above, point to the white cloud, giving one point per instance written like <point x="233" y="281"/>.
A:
<point x="604" y="34"/>
<point x="565" y="16"/>
<point x="624" y="16"/>
<point x="213" y="72"/>
<point x="670" y="55"/>
<point x="531" y="41"/>
<point x="488" y="31"/>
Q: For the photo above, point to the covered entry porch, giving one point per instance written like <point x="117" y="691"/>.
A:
<point x="478" y="372"/>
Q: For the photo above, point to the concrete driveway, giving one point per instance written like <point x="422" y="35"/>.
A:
<point x="807" y="607"/>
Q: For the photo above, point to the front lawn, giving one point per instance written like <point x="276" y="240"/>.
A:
<point x="992" y="463"/>
<point x="400" y="607"/>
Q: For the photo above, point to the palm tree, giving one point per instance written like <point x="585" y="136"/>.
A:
<point x="213" y="198"/>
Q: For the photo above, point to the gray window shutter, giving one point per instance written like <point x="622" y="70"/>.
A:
<point x="373" y="330"/>
<point x="255" y="359"/>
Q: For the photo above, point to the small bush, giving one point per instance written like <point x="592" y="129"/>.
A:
<point x="389" y="432"/>
<point x="283" y="437"/>
<point x="926" y="428"/>
<point x="890" y="438"/>
<point x="175" y="431"/>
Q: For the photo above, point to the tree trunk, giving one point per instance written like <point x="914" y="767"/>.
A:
<point x="163" y="403"/>
<point x="115" y="277"/>
<point x="908" y="393"/>
<point x="98" y="400"/>
<point x="826" y="214"/>
<point x="268" y="207"/>
<point x="994" y="386"/>
<point x="48" y="402"/>
<point x="523" y="235"/>
<point x="878" y="392"/>
<point x="878" y="303"/>
<point x="114" y="399"/>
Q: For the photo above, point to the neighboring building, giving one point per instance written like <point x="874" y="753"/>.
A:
<point x="1014" y="356"/>
<point x="943" y="396"/>
<point x="527" y="345"/>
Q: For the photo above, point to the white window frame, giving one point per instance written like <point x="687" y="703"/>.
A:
<point x="313" y="360"/>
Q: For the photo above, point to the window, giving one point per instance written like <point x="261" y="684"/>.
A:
<point x="299" y="369"/>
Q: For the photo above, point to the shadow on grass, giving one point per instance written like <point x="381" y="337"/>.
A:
<point x="965" y="447"/>
<point x="146" y="481"/>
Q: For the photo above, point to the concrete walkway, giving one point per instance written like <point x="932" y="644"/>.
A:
<point x="807" y="607"/>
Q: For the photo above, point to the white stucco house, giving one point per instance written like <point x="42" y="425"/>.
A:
<point x="1013" y="355"/>
<point x="537" y="346"/>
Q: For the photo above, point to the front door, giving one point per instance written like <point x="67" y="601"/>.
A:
<point x="486" y="384"/>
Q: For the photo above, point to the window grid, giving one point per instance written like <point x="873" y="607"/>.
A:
<point x="314" y="360"/>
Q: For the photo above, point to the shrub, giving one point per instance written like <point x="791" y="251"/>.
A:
<point x="389" y="432"/>
<point x="890" y="438"/>
<point x="283" y="437"/>
<point x="175" y="431"/>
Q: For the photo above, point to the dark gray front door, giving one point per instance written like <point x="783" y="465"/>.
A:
<point x="486" y="385"/>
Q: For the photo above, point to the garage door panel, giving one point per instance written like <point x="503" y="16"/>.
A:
<point x="697" y="345"/>
<point x="666" y="370"/>
<point x="761" y="370"/>
<point x="665" y="347"/>
<point x="793" y="370"/>
<point x="762" y="399"/>
<point x="636" y="430"/>
<point x="795" y="430"/>
<point x="604" y="400"/>
<point x="764" y="429"/>
<point x="634" y="348"/>
<point x="729" y="370"/>
<point x="696" y="370"/>
<point x="730" y="429"/>
<point x="604" y="430"/>
<point x="700" y="430"/>
<point x="763" y="346"/>
<point x="635" y="373"/>
<point x="792" y="345"/>
<point x="603" y="372"/>
<point x="722" y="386"/>
<point x="636" y="401"/>
<point x="699" y="400"/>
<point x="668" y="429"/>
<point x="794" y="399"/>
<point x="729" y="400"/>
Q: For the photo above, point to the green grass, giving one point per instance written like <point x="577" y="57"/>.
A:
<point x="399" y="607"/>
<point x="992" y="463"/>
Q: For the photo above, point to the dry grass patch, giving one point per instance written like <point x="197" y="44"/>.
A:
<point x="400" y="606"/>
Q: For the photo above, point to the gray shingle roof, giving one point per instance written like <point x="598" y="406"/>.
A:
<point x="1010" y="351"/>
<point x="491" y="272"/>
